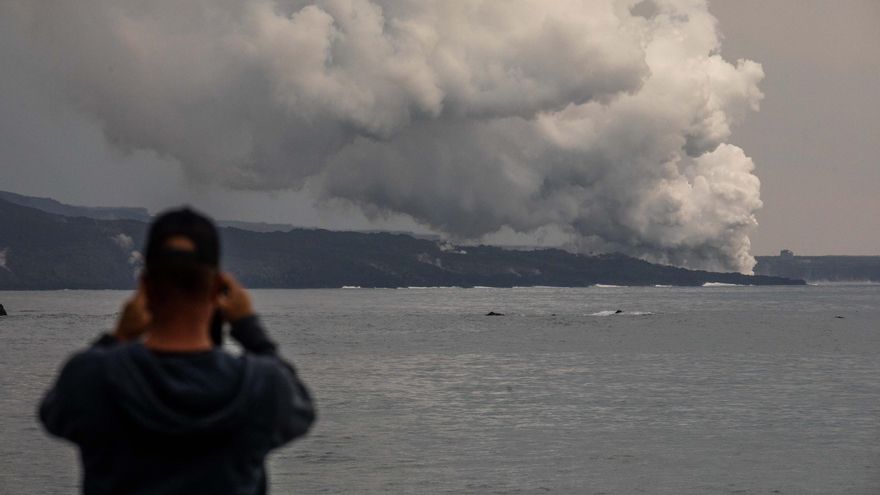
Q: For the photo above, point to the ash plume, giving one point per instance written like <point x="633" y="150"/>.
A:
<point x="607" y="120"/>
<point x="135" y="258"/>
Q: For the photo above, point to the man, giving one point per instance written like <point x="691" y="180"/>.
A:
<point x="158" y="407"/>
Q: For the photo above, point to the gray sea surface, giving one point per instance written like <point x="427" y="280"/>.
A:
<point x="746" y="390"/>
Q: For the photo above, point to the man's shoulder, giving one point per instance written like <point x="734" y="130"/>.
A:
<point x="93" y="361"/>
<point x="85" y="371"/>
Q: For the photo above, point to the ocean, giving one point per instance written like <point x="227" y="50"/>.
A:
<point x="746" y="390"/>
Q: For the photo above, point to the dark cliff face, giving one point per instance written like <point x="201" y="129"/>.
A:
<point x="47" y="251"/>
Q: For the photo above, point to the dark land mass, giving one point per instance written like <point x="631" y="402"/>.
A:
<point x="119" y="213"/>
<point x="97" y="212"/>
<point x="821" y="268"/>
<point x="42" y="250"/>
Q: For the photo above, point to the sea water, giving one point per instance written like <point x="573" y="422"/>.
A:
<point x="686" y="391"/>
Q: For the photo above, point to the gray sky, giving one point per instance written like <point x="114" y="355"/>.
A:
<point x="815" y="141"/>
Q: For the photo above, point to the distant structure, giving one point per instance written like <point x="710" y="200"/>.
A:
<point x="826" y="268"/>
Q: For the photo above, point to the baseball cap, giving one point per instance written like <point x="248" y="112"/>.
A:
<point x="187" y="223"/>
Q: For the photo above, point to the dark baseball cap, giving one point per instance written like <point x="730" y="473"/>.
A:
<point x="187" y="223"/>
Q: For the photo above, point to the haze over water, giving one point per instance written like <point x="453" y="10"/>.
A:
<point x="708" y="390"/>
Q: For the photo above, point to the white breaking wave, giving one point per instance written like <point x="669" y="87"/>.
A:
<point x="417" y="287"/>
<point x="621" y="313"/>
<point x="816" y="283"/>
<point x="721" y="284"/>
<point x="604" y="313"/>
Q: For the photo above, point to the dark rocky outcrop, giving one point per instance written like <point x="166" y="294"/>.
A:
<point x="2" y="310"/>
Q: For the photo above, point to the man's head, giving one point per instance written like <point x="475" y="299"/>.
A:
<point x="182" y="260"/>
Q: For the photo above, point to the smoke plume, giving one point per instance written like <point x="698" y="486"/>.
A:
<point x="605" y="119"/>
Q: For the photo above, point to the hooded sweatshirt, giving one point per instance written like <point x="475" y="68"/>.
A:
<point x="149" y="422"/>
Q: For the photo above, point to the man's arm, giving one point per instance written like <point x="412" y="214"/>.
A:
<point x="68" y="409"/>
<point x="295" y="409"/>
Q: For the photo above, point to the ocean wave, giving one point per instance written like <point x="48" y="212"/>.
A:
<point x="842" y="283"/>
<point x="618" y="312"/>
<point x="538" y="287"/>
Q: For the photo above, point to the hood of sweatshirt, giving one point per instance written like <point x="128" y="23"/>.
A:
<point x="181" y="394"/>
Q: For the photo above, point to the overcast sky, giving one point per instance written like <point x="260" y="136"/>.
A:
<point x="815" y="142"/>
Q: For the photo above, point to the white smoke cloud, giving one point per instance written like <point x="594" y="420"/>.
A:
<point x="606" y="119"/>
<point x="124" y="241"/>
<point x="135" y="258"/>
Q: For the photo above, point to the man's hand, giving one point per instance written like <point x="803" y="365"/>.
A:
<point x="236" y="302"/>
<point x="135" y="318"/>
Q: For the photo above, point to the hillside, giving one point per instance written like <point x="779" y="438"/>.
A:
<point x="97" y="212"/>
<point x="41" y="250"/>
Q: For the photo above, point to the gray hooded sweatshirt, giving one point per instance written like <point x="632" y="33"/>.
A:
<point x="150" y="422"/>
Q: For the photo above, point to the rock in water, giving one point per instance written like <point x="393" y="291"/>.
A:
<point x="492" y="313"/>
<point x="2" y="311"/>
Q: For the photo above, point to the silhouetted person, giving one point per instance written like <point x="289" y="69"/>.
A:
<point x="157" y="407"/>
